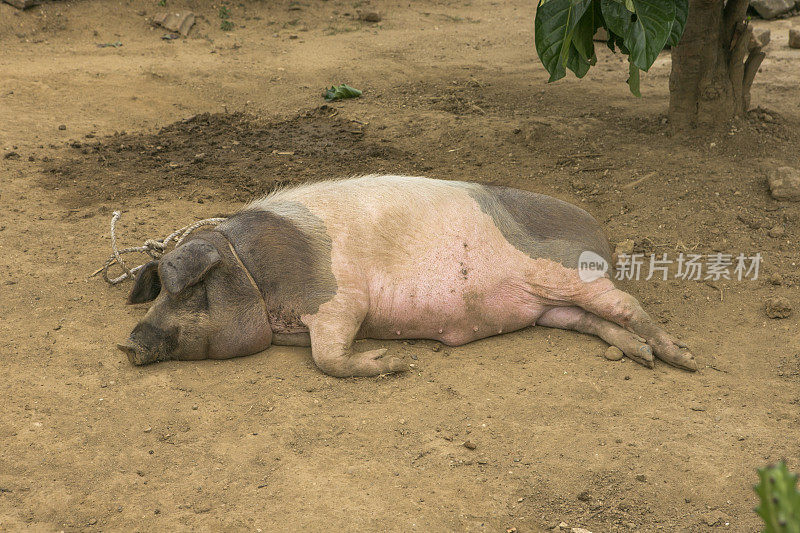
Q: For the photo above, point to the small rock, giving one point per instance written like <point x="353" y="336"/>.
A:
<point x="148" y="429"/>
<point x="775" y="278"/>
<point x="641" y="477"/>
<point x="62" y="127"/>
<point x="769" y="9"/>
<point x="784" y="183"/>
<point x="778" y="307"/>
<point x="763" y="37"/>
<point x="92" y="521"/>
<point x="585" y="496"/>
<point x="749" y="220"/>
<point x="794" y="38"/>
<point x="715" y="518"/>
<point x="195" y="407"/>
<point x="371" y="16"/>
<point x="563" y="525"/>
<point x="624" y="248"/>
<point x="613" y="353"/>
<point x="777" y="232"/>
<point x="11" y="155"/>
<point x="579" y="530"/>
<point x="470" y="445"/>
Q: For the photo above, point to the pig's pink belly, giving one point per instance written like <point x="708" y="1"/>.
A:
<point x="463" y="309"/>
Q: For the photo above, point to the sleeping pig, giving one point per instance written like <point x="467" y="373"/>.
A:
<point x="387" y="257"/>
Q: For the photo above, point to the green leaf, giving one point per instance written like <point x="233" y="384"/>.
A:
<point x="583" y="36"/>
<point x="645" y="30"/>
<point x="678" y="25"/>
<point x="554" y="27"/>
<point x="576" y="63"/>
<point x="341" y="92"/>
<point x="633" y="79"/>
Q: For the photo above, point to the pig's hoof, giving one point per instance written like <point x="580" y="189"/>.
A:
<point x="676" y="354"/>
<point x="385" y="365"/>
<point x="636" y="350"/>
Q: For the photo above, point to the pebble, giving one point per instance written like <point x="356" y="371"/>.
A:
<point x="62" y="127"/>
<point x="775" y="278"/>
<point x="613" y="353"/>
<point x="784" y="183"/>
<point x="794" y="38"/>
<point x="778" y="307"/>
<point x="777" y="232"/>
<point x="641" y="477"/>
<point x="624" y="248"/>
<point x="470" y="445"/>
<point x="585" y="496"/>
<point x="371" y="16"/>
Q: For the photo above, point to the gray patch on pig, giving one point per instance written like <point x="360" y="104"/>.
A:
<point x="542" y="226"/>
<point x="287" y="250"/>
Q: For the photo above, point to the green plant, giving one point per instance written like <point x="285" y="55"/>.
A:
<point x="341" y="92"/>
<point x="715" y="54"/>
<point x="225" y="14"/>
<point x="780" y="500"/>
<point x="639" y="28"/>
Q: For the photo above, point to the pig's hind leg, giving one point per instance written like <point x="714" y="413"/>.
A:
<point x="577" y="319"/>
<point x="606" y="301"/>
<point x="332" y="331"/>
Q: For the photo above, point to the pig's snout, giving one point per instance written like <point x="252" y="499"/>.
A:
<point x="148" y="344"/>
<point x="136" y="355"/>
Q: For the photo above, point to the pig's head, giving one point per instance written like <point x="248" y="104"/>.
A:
<point x="205" y="306"/>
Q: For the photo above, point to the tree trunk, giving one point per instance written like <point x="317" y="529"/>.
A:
<point x="713" y="66"/>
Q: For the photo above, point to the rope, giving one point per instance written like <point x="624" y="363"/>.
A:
<point x="152" y="247"/>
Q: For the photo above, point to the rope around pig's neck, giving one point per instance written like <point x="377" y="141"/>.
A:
<point x="152" y="247"/>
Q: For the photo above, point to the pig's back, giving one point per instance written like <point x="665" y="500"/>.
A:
<point x="438" y="259"/>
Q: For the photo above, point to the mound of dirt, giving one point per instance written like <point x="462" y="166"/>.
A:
<point x="234" y="153"/>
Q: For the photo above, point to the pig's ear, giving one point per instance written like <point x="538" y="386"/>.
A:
<point x="147" y="284"/>
<point x="187" y="264"/>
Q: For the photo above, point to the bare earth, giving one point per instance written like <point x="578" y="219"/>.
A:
<point x="267" y="442"/>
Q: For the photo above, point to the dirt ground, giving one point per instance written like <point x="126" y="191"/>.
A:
<point x="172" y="131"/>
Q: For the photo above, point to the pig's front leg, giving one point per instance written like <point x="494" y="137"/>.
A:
<point x="333" y="329"/>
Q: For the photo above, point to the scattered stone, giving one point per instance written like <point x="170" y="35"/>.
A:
<point x="470" y="445"/>
<point x="794" y="38"/>
<point x="585" y="496"/>
<point x="624" y="248"/>
<point x="371" y="16"/>
<point x="769" y="9"/>
<point x="176" y="22"/>
<point x="762" y="36"/>
<point x="436" y="347"/>
<point x="749" y="220"/>
<point x="778" y="307"/>
<point x="92" y="521"/>
<point x="776" y="232"/>
<point x="62" y="127"/>
<point x="613" y="353"/>
<point x="784" y="183"/>
<point x="775" y="278"/>
<point x="195" y="407"/>
<point x="641" y="477"/>
<point x="716" y="518"/>
<point x="11" y="155"/>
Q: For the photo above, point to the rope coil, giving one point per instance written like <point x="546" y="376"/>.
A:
<point x="152" y="247"/>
